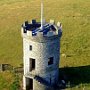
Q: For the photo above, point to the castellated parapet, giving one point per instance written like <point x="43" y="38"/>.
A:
<point x="41" y="54"/>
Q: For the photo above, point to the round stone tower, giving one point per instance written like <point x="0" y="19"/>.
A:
<point x="41" y="54"/>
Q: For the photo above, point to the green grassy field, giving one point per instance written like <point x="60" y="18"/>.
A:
<point x="75" y="42"/>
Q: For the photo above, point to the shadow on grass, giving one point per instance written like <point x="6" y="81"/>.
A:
<point x="75" y="75"/>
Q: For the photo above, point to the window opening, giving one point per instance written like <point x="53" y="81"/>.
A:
<point x="30" y="48"/>
<point x="32" y="64"/>
<point x="50" y="61"/>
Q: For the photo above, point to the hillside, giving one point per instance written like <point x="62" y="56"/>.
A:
<point x="74" y="15"/>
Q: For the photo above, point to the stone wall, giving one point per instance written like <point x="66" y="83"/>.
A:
<point x="41" y="52"/>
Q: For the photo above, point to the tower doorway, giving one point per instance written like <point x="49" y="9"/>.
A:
<point x="29" y="84"/>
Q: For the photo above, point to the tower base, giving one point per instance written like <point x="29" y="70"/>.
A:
<point x="36" y="83"/>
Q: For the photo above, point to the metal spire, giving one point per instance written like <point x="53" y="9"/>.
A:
<point x="41" y="14"/>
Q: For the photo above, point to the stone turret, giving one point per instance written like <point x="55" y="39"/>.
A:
<point x="41" y="54"/>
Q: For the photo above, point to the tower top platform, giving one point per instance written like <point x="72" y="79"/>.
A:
<point x="33" y="28"/>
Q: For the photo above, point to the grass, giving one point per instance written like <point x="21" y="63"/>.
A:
<point x="74" y="15"/>
<point x="6" y="79"/>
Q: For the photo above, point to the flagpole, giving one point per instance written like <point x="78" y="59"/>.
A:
<point x="42" y="14"/>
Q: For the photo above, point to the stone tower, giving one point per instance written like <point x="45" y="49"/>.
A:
<point x="41" y="54"/>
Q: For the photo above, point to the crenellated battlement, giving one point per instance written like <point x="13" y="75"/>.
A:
<point x="33" y="29"/>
